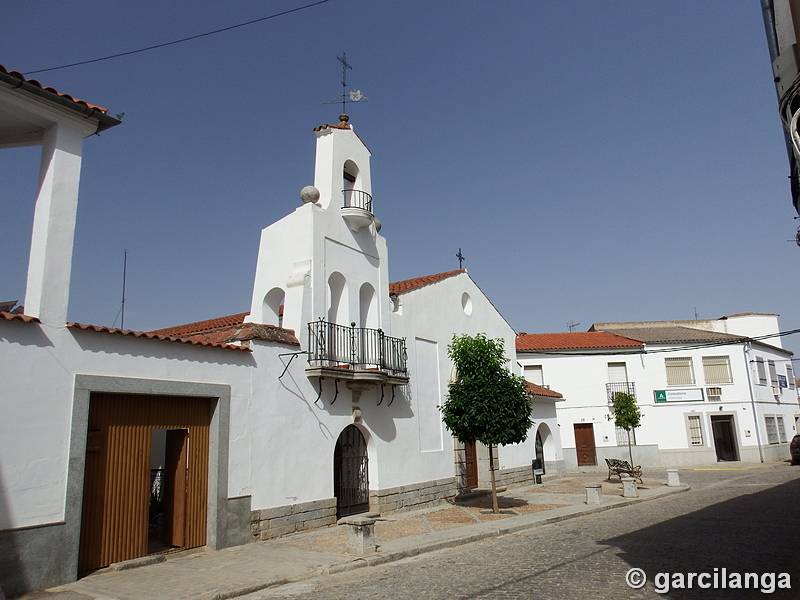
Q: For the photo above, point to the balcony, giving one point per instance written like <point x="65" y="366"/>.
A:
<point x="626" y="387"/>
<point x="357" y="209"/>
<point x="356" y="354"/>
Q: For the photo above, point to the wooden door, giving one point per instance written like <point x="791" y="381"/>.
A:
<point x="724" y="438"/>
<point x="116" y="486"/>
<point x="176" y="466"/>
<point x="471" y="464"/>
<point x="584" y="444"/>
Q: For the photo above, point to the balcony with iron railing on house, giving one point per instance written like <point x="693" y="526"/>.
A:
<point x="357" y="209"/>
<point x="355" y="354"/>
<point x="625" y="387"/>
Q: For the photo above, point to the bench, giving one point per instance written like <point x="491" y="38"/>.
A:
<point x="619" y="467"/>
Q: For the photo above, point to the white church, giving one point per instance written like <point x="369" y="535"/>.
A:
<point x="319" y="402"/>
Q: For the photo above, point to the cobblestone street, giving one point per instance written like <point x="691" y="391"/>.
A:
<point x="742" y="521"/>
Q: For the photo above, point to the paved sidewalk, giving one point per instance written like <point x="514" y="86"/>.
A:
<point x="205" y="574"/>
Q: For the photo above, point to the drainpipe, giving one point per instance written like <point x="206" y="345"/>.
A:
<point x="746" y="350"/>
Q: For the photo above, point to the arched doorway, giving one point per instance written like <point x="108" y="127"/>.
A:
<point x="539" y="446"/>
<point x="350" y="473"/>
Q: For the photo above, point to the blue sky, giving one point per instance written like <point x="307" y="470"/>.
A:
<point x="594" y="160"/>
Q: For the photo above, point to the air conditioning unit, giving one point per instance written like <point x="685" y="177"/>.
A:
<point x="776" y="390"/>
<point x="714" y="394"/>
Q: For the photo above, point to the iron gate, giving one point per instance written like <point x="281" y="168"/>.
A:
<point x="350" y="476"/>
<point x="539" y="447"/>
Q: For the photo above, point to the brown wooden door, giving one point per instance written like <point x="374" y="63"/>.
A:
<point x="116" y="486"/>
<point x="584" y="444"/>
<point x="176" y="467"/>
<point x="471" y="464"/>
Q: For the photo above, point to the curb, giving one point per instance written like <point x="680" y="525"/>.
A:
<point x="380" y="559"/>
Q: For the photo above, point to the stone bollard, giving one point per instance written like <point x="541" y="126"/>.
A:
<point x="629" y="488"/>
<point x="594" y="493"/>
<point x="361" y="537"/>
<point x="672" y="478"/>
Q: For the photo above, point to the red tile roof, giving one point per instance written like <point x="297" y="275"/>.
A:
<point x="538" y="390"/>
<point x="201" y="326"/>
<point x="409" y="285"/>
<point x="21" y="77"/>
<point x="18" y="317"/>
<point x="530" y="342"/>
<point x="337" y="126"/>
<point x="229" y="330"/>
<point x="152" y="336"/>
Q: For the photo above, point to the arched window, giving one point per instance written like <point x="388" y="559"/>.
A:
<point x="368" y="314"/>
<point x="272" y="312"/>
<point x="337" y="298"/>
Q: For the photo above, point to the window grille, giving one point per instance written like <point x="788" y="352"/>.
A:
<point x="772" y="430"/>
<point x="679" y="371"/>
<point x="790" y="376"/>
<point x="773" y="373"/>
<point x="781" y="429"/>
<point x="717" y="369"/>
<point x="622" y="436"/>
<point x="695" y="430"/>
<point x="714" y="394"/>
<point x="761" y="372"/>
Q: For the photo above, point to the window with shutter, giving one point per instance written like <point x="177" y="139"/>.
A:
<point x="717" y="369"/>
<point x="679" y="371"/>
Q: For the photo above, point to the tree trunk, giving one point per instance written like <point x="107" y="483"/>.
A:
<point x="630" y="450"/>
<point x="495" y="507"/>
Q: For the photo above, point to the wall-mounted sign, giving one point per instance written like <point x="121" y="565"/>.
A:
<point x="782" y="381"/>
<point x="686" y="395"/>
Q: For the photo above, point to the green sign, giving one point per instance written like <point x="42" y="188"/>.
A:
<point x="661" y="396"/>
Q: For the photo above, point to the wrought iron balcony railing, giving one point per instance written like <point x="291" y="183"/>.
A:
<point x="627" y="387"/>
<point x="357" y="199"/>
<point x="332" y="345"/>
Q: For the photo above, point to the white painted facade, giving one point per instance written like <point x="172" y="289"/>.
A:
<point x="276" y="417"/>
<point x="681" y="429"/>
<point x="428" y="317"/>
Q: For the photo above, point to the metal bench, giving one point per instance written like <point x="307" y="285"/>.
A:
<point x="623" y="467"/>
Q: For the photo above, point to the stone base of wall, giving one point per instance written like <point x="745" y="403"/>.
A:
<point x="413" y="496"/>
<point x="269" y="523"/>
<point x="514" y="476"/>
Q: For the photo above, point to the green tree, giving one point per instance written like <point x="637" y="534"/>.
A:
<point x="486" y="403"/>
<point x="626" y="414"/>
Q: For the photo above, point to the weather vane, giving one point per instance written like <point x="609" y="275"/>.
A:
<point x="345" y="96"/>
<point x="460" y="258"/>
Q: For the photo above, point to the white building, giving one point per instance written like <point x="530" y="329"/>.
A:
<point x="710" y="390"/>
<point x="317" y="403"/>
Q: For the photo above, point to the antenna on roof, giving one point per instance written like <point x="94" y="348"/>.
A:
<point x="460" y="258"/>
<point x="572" y="325"/>
<point x="124" y="277"/>
<point x="345" y="97"/>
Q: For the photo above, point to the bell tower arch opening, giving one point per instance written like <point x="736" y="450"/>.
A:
<point x="337" y="298"/>
<point x="273" y="307"/>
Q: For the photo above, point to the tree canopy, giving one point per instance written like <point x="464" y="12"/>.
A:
<point x="486" y="403"/>
<point x="626" y="414"/>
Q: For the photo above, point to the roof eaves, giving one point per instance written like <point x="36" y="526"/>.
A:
<point x="19" y="317"/>
<point x="151" y="336"/>
<point x="410" y="285"/>
<point x="18" y="81"/>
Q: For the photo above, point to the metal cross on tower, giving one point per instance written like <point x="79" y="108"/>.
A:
<point x="345" y="65"/>
<point x="345" y="97"/>
<point x="460" y="258"/>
